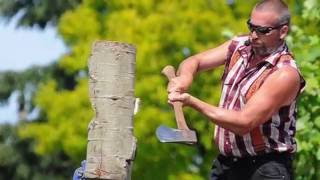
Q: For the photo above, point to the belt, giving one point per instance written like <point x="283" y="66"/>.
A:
<point x="274" y="156"/>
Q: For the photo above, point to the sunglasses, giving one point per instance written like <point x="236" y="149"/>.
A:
<point x="261" y="29"/>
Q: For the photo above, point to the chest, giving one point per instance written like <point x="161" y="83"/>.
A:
<point x="242" y="81"/>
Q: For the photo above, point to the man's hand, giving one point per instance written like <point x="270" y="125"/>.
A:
<point x="279" y="90"/>
<point x="206" y="60"/>
<point x="184" y="98"/>
<point x="178" y="84"/>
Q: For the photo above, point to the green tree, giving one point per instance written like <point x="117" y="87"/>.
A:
<point x="32" y="13"/>
<point x="19" y="161"/>
<point x="305" y="43"/>
<point x="25" y="83"/>
<point x="18" y="157"/>
<point x="38" y="13"/>
<point x="165" y="33"/>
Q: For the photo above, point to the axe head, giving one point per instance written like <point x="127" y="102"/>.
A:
<point x="170" y="135"/>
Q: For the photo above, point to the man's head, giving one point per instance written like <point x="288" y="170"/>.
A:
<point x="269" y="25"/>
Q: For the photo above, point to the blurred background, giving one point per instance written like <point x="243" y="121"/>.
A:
<point x="44" y="104"/>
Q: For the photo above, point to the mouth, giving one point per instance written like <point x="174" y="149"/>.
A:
<point x="256" y="44"/>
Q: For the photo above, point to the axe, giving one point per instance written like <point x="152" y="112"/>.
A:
<point x="183" y="134"/>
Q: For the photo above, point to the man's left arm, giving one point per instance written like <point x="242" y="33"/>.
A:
<point x="279" y="89"/>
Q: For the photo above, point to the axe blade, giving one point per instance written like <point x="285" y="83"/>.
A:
<point x="170" y="135"/>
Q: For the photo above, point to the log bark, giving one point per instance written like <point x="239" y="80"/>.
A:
<point x="111" y="143"/>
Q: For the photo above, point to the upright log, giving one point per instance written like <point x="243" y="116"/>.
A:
<point x="111" y="144"/>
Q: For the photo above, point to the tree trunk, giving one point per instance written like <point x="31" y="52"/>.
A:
<point x="111" y="144"/>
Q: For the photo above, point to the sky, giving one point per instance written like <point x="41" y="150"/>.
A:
<point x="21" y="48"/>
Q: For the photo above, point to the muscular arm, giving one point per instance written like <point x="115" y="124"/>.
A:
<point x="203" y="61"/>
<point x="279" y="89"/>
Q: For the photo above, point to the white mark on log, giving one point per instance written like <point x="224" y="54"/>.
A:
<point x="136" y="106"/>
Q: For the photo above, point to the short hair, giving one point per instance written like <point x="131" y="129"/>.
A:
<point x="277" y="6"/>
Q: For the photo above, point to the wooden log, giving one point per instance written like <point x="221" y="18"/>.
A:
<point x="111" y="144"/>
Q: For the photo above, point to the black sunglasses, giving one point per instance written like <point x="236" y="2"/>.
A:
<point x="261" y="29"/>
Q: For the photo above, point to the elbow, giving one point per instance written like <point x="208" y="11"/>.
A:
<point x="245" y="126"/>
<point x="194" y="62"/>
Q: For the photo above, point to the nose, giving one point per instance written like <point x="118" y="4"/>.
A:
<point x="254" y="35"/>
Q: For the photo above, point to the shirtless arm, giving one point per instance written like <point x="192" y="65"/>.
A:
<point x="278" y="90"/>
<point x="203" y="61"/>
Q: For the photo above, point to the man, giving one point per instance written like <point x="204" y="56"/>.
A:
<point x="255" y="120"/>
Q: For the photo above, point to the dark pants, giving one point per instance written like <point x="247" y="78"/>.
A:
<point x="267" y="166"/>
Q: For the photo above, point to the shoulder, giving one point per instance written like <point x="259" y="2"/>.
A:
<point x="237" y="42"/>
<point x="283" y="85"/>
<point x="284" y="82"/>
<point x="285" y="74"/>
<point x="240" y="39"/>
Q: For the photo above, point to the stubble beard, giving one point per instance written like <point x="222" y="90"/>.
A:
<point x="263" y="51"/>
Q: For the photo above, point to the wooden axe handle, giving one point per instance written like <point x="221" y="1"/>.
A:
<point x="169" y="72"/>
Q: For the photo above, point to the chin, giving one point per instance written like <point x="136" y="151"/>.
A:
<point x="260" y="52"/>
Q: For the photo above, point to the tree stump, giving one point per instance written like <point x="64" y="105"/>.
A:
<point x="111" y="144"/>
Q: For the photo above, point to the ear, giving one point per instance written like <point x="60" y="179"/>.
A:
<point x="284" y="31"/>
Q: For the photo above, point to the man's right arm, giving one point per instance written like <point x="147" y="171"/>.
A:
<point x="206" y="60"/>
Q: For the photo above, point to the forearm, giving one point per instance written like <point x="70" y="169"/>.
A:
<point x="187" y="69"/>
<point x="228" y="119"/>
<point x="206" y="60"/>
<point x="279" y="90"/>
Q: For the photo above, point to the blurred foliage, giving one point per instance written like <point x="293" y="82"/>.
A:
<point x="66" y="126"/>
<point x="36" y="12"/>
<point x="19" y="161"/>
<point x="12" y="81"/>
<point x="305" y="43"/>
<point x="25" y="83"/>
<point x="164" y="33"/>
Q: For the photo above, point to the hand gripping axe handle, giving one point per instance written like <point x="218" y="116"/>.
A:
<point x="183" y="134"/>
<point x="169" y="72"/>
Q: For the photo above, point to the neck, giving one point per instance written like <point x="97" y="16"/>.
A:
<point x="256" y="59"/>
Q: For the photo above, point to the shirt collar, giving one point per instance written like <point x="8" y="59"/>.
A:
<point x="273" y="58"/>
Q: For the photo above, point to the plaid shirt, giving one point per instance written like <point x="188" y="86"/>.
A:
<point x="239" y="84"/>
